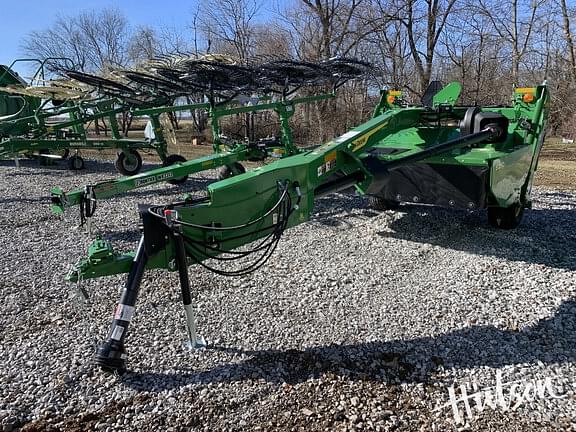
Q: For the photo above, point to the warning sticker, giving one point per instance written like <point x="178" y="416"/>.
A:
<point x="330" y="157"/>
<point x="124" y="312"/>
<point x="324" y="168"/>
<point x="117" y="333"/>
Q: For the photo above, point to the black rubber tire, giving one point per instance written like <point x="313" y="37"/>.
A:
<point x="227" y="172"/>
<point x="75" y="163"/>
<point x="506" y="218"/>
<point x="378" y="203"/>
<point x="128" y="162"/>
<point x="171" y="160"/>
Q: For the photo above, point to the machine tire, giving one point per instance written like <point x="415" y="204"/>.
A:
<point x="171" y="160"/>
<point x="378" y="203"/>
<point x="506" y="218"/>
<point x="75" y="163"/>
<point x="227" y="172"/>
<point x="128" y="162"/>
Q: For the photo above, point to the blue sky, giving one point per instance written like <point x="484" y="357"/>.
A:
<point x="20" y="17"/>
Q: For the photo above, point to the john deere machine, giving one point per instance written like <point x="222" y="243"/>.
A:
<point x="435" y="153"/>
<point x="48" y="118"/>
<point x="272" y="86"/>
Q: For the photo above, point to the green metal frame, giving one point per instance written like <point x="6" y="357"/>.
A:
<point x="262" y="203"/>
<point x="27" y="127"/>
<point x="340" y="163"/>
<point x="222" y="156"/>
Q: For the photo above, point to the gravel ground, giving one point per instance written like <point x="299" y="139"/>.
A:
<point x="360" y="321"/>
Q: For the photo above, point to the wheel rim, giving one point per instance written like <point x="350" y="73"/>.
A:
<point x="130" y="162"/>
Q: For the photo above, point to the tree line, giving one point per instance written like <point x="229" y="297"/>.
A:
<point x="489" y="46"/>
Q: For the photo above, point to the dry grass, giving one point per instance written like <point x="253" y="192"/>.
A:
<point x="557" y="165"/>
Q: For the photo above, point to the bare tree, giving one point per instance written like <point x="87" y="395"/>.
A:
<point x="228" y="26"/>
<point x="143" y="44"/>
<point x="514" y="22"/>
<point x="569" y="39"/>
<point x="424" y="22"/>
<point x="95" y="41"/>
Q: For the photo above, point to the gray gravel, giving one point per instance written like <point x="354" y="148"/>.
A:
<point x="361" y="320"/>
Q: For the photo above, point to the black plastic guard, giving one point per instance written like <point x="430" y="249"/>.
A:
<point x="443" y="185"/>
<point x="155" y="231"/>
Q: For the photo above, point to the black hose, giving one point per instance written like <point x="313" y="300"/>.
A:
<point x="87" y="204"/>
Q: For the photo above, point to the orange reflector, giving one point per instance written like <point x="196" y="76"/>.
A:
<point x="390" y="99"/>
<point x="528" y="97"/>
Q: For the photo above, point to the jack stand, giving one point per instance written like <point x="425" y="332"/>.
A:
<point x="89" y="226"/>
<point x="111" y="355"/>
<point x="80" y="296"/>
<point x="194" y="341"/>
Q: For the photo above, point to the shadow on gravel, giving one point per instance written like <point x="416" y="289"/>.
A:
<point x="546" y="236"/>
<point x="192" y="185"/>
<point x="40" y="200"/>
<point x="551" y="340"/>
<point x="33" y="168"/>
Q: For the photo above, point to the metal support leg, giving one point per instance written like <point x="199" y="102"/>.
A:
<point x="194" y="341"/>
<point x="17" y="161"/>
<point x="111" y="355"/>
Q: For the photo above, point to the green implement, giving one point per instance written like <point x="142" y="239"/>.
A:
<point x="224" y="155"/>
<point x="438" y="153"/>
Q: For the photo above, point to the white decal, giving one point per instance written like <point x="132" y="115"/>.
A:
<point x="117" y="333"/>
<point x="124" y="312"/>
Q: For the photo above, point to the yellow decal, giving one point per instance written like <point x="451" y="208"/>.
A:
<point x="330" y="157"/>
<point x="395" y="93"/>
<point x="207" y="163"/>
<point x="361" y="142"/>
<point x="524" y="90"/>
